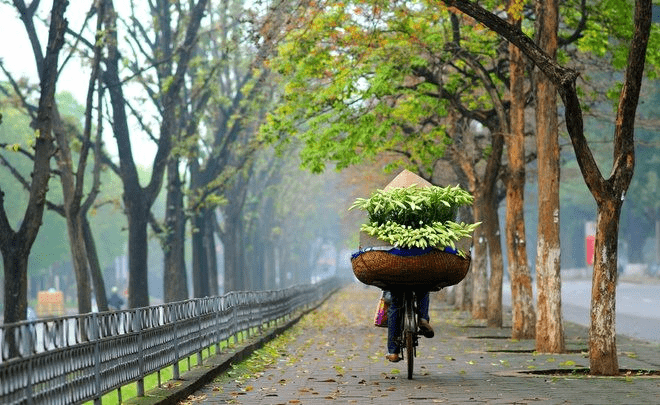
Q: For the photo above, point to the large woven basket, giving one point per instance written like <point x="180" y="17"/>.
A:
<point x="430" y="271"/>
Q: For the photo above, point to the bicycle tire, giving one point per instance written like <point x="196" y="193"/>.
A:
<point x="409" y="330"/>
<point x="410" y="353"/>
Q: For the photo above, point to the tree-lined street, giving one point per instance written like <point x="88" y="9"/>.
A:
<point x="269" y="118"/>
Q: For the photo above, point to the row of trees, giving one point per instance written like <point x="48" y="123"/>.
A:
<point x="193" y="78"/>
<point x="420" y="83"/>
<point x="411" y="79"/>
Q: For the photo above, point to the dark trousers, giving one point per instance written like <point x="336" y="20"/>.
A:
<point x="393" y="312"/>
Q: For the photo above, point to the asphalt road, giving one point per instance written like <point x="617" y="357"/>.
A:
<point x="637" y="306"/>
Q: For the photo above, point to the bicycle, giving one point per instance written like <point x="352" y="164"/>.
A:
<point x="409" y="339"/>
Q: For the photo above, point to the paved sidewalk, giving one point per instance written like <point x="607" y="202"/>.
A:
<point x="337" y="356"/>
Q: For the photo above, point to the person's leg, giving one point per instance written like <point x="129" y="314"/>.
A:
<point x="393" y="324"/>
<point x="423" y="300"/>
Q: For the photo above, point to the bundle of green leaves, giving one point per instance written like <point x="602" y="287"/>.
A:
<point x="417" y="217"/>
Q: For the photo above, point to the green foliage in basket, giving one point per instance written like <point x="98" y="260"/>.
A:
<point x="434" y="234"/>
<point x="416" y="216"/>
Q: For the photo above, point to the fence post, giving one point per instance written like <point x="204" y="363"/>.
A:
<point x="174" y="311"/>
<point x="200" y="348"/>
<point x="138" y="326"/>
<point x="96" y="335"/>
<point x="218" y="310"/>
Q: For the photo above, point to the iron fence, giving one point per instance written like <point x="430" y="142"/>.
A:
<point x="74" y="359"/>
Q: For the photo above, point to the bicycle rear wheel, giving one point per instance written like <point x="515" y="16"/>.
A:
<point x="409" y="330"/>
<point x="410" y="352"/>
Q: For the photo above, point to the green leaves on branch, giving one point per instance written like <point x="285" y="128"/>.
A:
<point x="416" y="216"/>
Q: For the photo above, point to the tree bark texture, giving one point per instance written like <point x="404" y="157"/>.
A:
<point x="138" y="285"/>
<point x="549" y="323"/>
<point x="209" y="247"/>
<point x="73" y="216"/>
<point x="79" y="257"/>
<point x="175" y="281"/>
<point x="523" y="314"/>
<point x="463" y="290"/>
<point x="95" y="267"/>
<point x="200" y="264"/>
<point x="492" y="224"/>
<point x="235" y="275"/>
<point x="602" y="332"/>
<point x="479" y="267"/>
<point x="482" y="187"/>
<point x="608" y="193"/>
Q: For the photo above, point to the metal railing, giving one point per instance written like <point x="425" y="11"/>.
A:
<point x="74" y="359"/>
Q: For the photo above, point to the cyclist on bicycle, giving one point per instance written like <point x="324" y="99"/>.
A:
<point x="393" y="322"/>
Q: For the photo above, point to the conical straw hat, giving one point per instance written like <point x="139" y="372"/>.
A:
<point x="406" y="179"/>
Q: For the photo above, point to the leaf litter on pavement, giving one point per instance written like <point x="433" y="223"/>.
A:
<point x="322" y="344"/>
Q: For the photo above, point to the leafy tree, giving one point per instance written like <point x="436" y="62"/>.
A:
<point x="169" y="57"/>
<point x="238" y="91"/>
<point x="364" y="80"/>
<point x="606" y="192"/>
<point x="16" y="245"/>
<point x="72" y="176"/>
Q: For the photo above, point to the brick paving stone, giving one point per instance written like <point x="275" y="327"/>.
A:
<point x="336" y="356"/>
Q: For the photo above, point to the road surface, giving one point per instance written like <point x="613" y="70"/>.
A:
<point x="637" y="306"/>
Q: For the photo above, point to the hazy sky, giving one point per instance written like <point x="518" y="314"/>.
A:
<point x="16" y="51"/>
<point x="18" y="58"/>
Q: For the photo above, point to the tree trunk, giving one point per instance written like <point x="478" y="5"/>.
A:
<point x="209" y="248"/>
<point x="135" y="198"/>
<point x="15" y="262"/>
<point x="479" y="268"/>
<point x="235" y="277"/>
<point x="15" y="291"/>
<point x="138" y="284"/>
<point x="175" y="281"/>
<point x="483" y="188"/>
<point x="269" y="266"/>
<point x="81" y="268"/>
<point x="521" y="288"/>
<point x="602" y="333"/>
<point x="72" y="197"/>
<point x="95" y="267"/>
<point x="549" y="326"/>
<point x="494" y="316"/>
<point x="463" y="290"/>
<point x="200" y="263"/>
